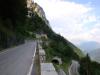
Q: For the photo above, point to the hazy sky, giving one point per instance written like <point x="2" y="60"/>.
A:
<point x="76" y="20"/>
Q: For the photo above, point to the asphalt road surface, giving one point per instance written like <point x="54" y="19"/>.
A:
<point x="17" y="61"/>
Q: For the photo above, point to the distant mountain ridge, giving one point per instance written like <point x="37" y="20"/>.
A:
<point x="95" y="55"/>
<point x="89" y="46"/>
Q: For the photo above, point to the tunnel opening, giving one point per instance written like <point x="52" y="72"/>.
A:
<point x="55" y="61"/>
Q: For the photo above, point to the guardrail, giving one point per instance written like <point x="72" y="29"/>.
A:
<point x="36" y="69"/>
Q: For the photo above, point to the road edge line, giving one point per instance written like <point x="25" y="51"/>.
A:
<point x="30" y="70"/>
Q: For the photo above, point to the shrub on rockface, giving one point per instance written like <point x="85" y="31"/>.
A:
<point x="58" y="48"/>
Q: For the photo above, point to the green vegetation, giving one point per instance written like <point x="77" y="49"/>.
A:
<point x="59" y="46"/>
<point x="89" y="67"/>
<point x="77" y="50"/>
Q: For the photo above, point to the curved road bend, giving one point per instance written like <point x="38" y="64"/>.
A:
<point x="17" y="61"/>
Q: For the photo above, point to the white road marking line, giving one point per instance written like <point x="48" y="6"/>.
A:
<point x="30" y="70"/>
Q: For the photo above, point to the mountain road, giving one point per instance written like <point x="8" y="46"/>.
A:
<point x="17" y="60"/>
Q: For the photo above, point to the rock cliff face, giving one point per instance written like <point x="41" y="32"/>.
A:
<point x="39" y="10"/>
<point x="29" y="3"/>
<point x="29" y="7"/>
<point x="34" y="7"/>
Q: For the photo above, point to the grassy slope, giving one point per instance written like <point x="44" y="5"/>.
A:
<point x="77" y="50"/>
